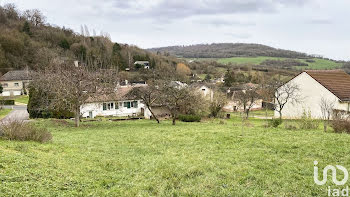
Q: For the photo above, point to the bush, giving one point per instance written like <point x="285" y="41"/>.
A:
<point x="190" y="118"/>
<point x="38" y="108"/>
<point x="289" y="125"/>
<point x="18" y="130"/>
<point x="275" y="122"/>
<point x="307" y="122"/>
<point x="7" y="102"/>
<point x="340" y="124"/>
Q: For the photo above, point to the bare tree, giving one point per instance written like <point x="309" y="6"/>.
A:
<point x="149" y="95"/>
<point x="179" y="99"/>
<point x="327" y="107"/>
<point x="35" y="17"/>
<point x="218" y="102"/>
<point x="172" y="98"/>
<point x="247" y="98"/>
<point x="284" y="93"/>
<point x="71" y="87"/>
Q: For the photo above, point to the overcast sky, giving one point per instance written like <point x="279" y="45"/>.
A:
<point x="312" y="26"/>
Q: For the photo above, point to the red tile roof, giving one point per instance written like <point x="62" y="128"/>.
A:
<point x="336" y="81"/>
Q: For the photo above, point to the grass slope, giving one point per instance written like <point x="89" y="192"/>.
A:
<point x="142" y="158"/>
<point x="22" y="99"/>
<point x="4" y="112"/>
<point x="318" y="64"/>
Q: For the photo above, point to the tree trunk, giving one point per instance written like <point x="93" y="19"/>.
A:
<point x="77" y="117"/>
<point x="247" y="112"/>
<point x="280" y="112"/>
<point x="155" y="117"/>
<point x="325" y="125"/>
<point x="174" y="119"/>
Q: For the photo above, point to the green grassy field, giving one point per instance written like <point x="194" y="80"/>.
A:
<point x="318" y="64"/>
<point x="22" y="99"/>
<point x="4" y="112"/>
<point x="142" y="158"/>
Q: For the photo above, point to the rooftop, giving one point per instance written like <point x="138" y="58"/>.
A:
<point x="336" y="81"/>
<point x="17" y="75"/>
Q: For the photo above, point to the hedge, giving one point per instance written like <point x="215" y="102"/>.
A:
<point x="189" y="118"/>
<point x="7" y="102"/>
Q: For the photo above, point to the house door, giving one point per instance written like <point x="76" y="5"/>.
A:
<point x="91" y="114"/>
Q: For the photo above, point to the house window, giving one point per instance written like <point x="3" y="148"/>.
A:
<point x="127" y="105"/>
<point x="131" y="104"/>
<point x="203" y="89"/>
<point x="108" y="106"/>
<point x="16" y="84"/>
<point x="5" y="85"/>
<point x="117" y="105"/>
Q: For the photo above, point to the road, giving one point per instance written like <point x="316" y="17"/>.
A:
<point x="18" y="113"/>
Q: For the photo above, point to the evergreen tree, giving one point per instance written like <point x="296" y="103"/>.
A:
<point x="64" y="44"/>
<point x="26" y="28"/>
<point x="229" y="78"/>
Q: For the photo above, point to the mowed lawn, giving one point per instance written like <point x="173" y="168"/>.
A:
<point x="143" y="158"/>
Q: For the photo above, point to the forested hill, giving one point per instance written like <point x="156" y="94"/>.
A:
<point x="27" y="40"/>
<point x="225" y="50"/>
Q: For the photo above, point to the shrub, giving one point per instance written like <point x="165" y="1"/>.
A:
<point x="340" y="123"/>
<point x="307" y="122"/>
<point x="275" y="122"/>
<point x="7" y="102"/>
<point x="340" y="126"/>
<point x="39" y="108"/>
<point x="18" y="130"/>
<point x="288" y="125"/>
<point x="189" y="118"/>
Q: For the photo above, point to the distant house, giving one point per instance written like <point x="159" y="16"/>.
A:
<point x="204" y="90"/>
<point x="144" y="64"/>
<point x="121" y="103"/>
<point x="15" y="82"/>
<point x="331" y="85"/>
<point x="233" y="103"/>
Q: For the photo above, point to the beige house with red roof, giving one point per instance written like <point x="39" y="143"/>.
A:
<point x="315" y="85"/>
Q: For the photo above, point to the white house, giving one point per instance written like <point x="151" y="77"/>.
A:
<point x="145" y="64"/>
<point x="331" y="85"/>
<point x="204" y="90"/>
<point x="119" y="104"/>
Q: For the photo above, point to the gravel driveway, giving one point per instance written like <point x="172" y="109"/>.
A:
<point x="18" y="113"/>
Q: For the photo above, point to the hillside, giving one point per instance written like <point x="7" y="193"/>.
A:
<point x="27" y="40"/>
<point x="227" y="50"/>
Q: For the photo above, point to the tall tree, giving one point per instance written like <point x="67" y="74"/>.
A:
<point x="71" y="87"/>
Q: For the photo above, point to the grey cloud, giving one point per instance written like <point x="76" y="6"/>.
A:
<point x="179" y="9"/>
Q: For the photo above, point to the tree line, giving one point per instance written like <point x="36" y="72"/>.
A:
<point x="225" y="50"/>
